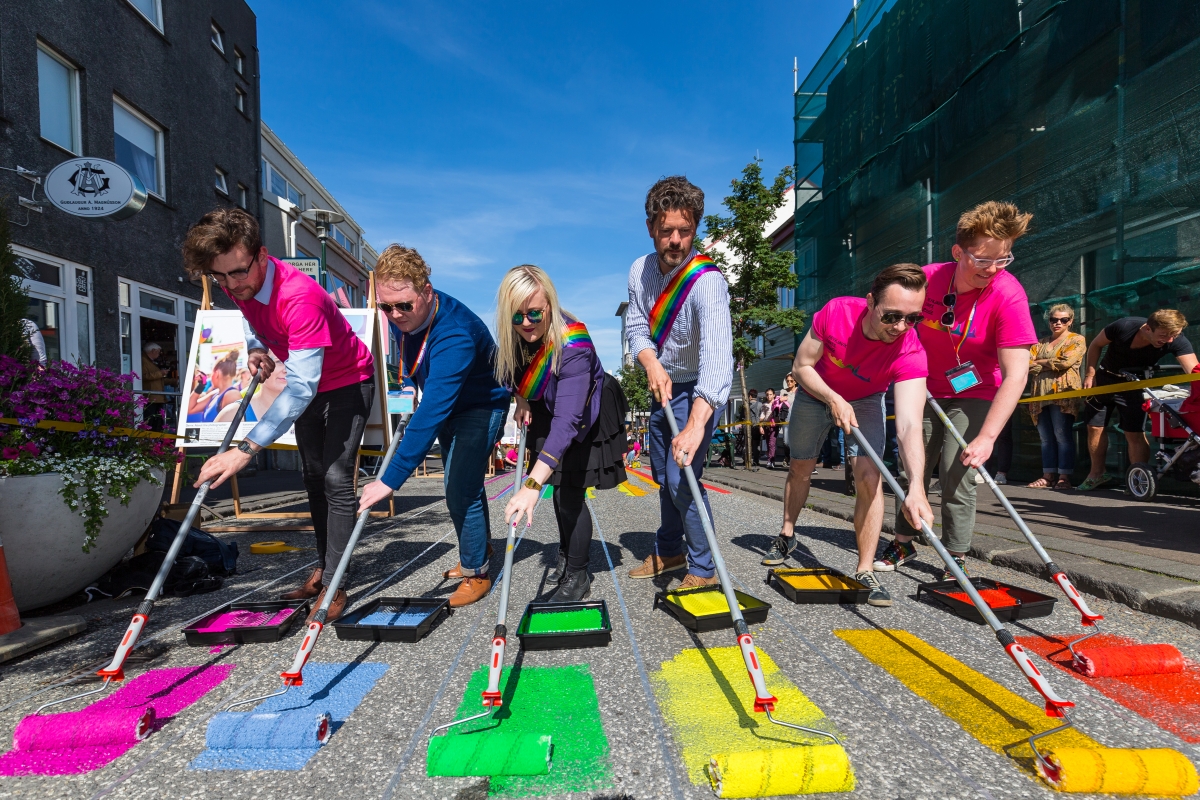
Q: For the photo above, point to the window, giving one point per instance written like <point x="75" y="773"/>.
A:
<point x="343" y="240"/>
<point x="139" y="145"/>
<point x="59" y="304"/>
<point x="217" y="38"/>
<point x="239" y="99"/>
<point x="275" y="183"/>
<point x="239" y="61"/>
<point x="58" y="100"/>
<point x="151" y="10"/>
<point x="222" y="185"/>
<point x="156" y="303"/>
<point x="243" y="197"/>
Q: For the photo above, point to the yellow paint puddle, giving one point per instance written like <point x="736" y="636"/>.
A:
<point x="702" y="604"/>
<point x="631" y="490"/>
<point x="818" y="581"/>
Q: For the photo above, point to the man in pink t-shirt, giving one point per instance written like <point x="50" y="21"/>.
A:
<point x="330" y="379"/>
<point x="977" y="332"/>
<point x="853" y="351"/>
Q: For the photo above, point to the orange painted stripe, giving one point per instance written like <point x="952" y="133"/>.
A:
<point x="651" y="481"/>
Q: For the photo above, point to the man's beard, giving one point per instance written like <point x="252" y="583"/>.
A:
<point x="673" y="258"/>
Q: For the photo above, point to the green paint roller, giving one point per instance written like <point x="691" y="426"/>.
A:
<point x="488" y="752"/>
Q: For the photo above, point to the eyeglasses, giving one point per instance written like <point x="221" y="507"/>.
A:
<point x="892" y="317"/>
<point x="387" y="308"/>
<point x="535" y="316"/>
<point x="222" y="278"/>
<point x="1060" y="320"/>
<point x="948" y="317"/>
<point x="988" y="263"/>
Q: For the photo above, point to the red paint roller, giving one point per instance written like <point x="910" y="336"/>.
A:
<point x="1122" y="660"/>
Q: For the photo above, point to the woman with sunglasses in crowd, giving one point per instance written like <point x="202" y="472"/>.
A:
<point x="574" y="410"/>
<point x="977" y="332"/>
<point x="1054" y="367"/>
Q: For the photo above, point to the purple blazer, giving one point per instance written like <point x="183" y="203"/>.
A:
<point x="573" y="399"/>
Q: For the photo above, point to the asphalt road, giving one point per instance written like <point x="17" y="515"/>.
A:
<point x="900" y="744"/>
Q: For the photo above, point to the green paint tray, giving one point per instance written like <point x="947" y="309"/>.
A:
<point x="818" y="585"/>
<point x="542" y="627"/>
<point x="690" y="607"/>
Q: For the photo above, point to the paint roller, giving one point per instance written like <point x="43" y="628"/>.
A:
<point x="282" y="730"/>
<point x="761" y="773"/>
<point x="1114" y="661"/>
<point x="1068" y="769"/>
<point x="492" y="751"/>
<point x="76" y="729"/>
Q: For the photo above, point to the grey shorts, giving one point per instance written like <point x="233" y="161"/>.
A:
<point x="809" y="423"/>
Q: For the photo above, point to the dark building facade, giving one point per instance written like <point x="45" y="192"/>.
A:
<point x="169" y="89"/>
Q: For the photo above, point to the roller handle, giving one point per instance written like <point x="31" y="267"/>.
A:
<point x="1055" y="705"/>
<point x="295" y="675"/>
<point x="115" y="671"/>
<point x="491" y="695"/>
<point x="1089" y="617"/>
<point x="764" y="701"/>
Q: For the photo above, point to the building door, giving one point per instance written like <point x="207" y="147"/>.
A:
<point x="149" y="314"/>
<point x="60" y="304"/>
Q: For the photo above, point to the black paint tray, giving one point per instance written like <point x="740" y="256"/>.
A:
<point x="755" y="610"/>
<point x="247" y="634"/>
<point x="564" y="640"/>
<point x="854" y="593"/>
<point x="423" y="614"/>
<point x="1030" y="603"/>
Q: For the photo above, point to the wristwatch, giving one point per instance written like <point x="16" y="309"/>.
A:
<point x="245" y="447"/>
<point x="530" y="483"/>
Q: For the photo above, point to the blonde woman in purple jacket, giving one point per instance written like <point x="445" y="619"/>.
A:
<point x="575" y="412"/>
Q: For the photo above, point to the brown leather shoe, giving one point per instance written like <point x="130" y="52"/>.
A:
<point x="691" y="581"/>
<point x="653" y="565"/>
<point x="472" y="589"/>
<point x="456" y="573"/>
<point x="311" y="587"/>
<point x="336" y="606"/>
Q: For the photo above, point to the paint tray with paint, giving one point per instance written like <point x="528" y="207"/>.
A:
<point x="561" y="626"/>
<point x="817" y="585"/>
<point x="393" y="619"/>
<point x="1007" y="602"/>
<point x="246" y="623"/>
<point x="704" y="608"/>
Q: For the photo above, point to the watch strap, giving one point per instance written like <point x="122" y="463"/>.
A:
<point x="530" y="483"/>
<point x="245" y="447"/>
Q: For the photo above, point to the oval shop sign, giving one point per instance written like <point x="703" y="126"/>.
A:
<point x="95" y="187"/>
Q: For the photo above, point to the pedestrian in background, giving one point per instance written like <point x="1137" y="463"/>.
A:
<point x="152" y="380"/>
<point x="1054" y="367"/>
<point x="756" y="428"/>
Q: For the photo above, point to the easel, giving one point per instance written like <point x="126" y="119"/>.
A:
<point x="381" y="384"/>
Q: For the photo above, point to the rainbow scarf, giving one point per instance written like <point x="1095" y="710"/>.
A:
<point x="675" y="294"/>
<point x="537" y="374"/>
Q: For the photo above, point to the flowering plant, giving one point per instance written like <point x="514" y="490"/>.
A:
<point x="96" y="463"/>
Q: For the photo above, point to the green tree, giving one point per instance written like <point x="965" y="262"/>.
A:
<point x="755" y="272"/>
<point x="633" y="383"/>
<point x="14" y="304"/>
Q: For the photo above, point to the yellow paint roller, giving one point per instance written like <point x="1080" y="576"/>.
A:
<point x="271" y="548"/>
<point x="1158" y="772"/>
<point x="781" y="771"/>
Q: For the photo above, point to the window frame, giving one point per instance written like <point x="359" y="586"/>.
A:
<point x="239" y="99"/>
<point x="160" y="145"/>
<point x="243" y="196"/>
<point x="157" y="23"/>
<point x="75" y="102"/>
<point x="68" y="298"/>
<point x="266" y="184"/>
<point x="221" y="184"/>
<point x="216" y="36"/>
<point x="239" y="62"/>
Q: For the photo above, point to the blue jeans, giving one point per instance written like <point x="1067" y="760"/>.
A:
<point x="1058" y="440"/>
<point x="467" y="439"/>
<point x="680" y="519"/>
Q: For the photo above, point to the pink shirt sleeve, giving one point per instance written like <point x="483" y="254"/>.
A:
<point x="307" y="326"/>
<point x="819" y="320"/>
<point x="1014" y="326"/>
<point x="912" y="363"/>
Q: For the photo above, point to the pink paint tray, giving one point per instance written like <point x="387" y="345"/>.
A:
<point x="246" y="623"/>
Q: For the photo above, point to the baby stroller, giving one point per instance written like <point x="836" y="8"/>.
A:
<point x="1173" y="422"/>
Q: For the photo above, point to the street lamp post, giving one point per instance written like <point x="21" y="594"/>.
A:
<point x="323" y="219"/>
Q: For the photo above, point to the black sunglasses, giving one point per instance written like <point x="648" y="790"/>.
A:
<point x="388" y="307"/>
<point x="237" y="274"/>
<point x="1060" y="320"/>
<point x="892" y="317"/>
<point x="535" y="316"/>
<point x="948" y="318"/>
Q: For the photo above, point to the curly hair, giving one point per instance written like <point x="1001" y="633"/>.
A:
<point x="993" y="219"/>
<point x="675" y="193"/>
<point x="218" y="232"/>
<point x="398" y="263"/>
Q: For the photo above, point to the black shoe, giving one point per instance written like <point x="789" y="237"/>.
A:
<point x="879" y="596"/>
<point x="781" y="548"/>
<point x="575" y="587"/>
<point x="560" y="569"/>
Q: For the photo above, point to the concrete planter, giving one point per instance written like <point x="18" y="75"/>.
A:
<point x="43" y="539"/>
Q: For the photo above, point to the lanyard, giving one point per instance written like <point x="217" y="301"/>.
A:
<point x="967" y="326"/>
<point x="420" y="353"/>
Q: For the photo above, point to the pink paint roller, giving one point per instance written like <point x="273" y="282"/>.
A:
<point x="87" y="728"/>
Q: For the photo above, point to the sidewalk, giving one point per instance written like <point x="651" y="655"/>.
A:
<point x="1145" y="555"/>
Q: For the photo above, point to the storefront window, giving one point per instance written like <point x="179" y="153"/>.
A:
<point x="45" y="314"/>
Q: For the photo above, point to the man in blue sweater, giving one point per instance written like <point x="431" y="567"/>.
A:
<point x="447" y="351"/>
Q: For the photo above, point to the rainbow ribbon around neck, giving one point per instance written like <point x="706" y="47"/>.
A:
<point x="674" y="294"/>
<point x="537" y="374"/>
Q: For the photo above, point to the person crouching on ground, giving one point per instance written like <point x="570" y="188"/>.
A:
<point x="330" y="379"/>
<point x="575" y="413"/>
<point x="678" y="325"/>
<point x="854" y="349"/>
<point x="447" y="352"/>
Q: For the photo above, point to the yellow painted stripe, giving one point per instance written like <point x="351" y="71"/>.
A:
<point x="631" y="490"/>
<point x="591" y="493"/>
<point x="708" y="701"/>
<point x="1000" y="719"/>
<point x="644" y="479"/>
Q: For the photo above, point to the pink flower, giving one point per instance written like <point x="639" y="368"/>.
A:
<point x="9" y="453"/>
<point x="31" y="448"/>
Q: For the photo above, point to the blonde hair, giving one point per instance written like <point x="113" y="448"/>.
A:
<point x="1060" y="307"/>
<point x="993" y="219"/>
<point x="1169" y="320"/>
<point x="518" y="285"/>
<point x="398" y="263"/>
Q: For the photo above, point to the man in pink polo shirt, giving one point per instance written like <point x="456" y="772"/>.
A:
<point x="976" y="332"/>
<point x="330" y="378"/>
<point x="853" y="351"/>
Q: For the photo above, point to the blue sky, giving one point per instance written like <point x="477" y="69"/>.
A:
<point x="488" y="135"/>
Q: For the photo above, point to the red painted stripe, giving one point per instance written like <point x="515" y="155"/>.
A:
<point x="1170" y="701"/>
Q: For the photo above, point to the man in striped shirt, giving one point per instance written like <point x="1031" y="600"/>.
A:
<point x="689" y="369"/>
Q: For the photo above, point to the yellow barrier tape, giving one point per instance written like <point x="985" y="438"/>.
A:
<point x="1113" y="388"/>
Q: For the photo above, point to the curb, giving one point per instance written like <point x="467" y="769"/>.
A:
<point x="1148" y="592"/>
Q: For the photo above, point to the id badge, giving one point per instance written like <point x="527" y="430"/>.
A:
<point x="401" y="401"/>
<point x="963" y="377"/>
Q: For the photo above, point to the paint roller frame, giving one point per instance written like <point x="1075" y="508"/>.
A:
<point x="115" y="671"/>
<point x="764" y="701"/>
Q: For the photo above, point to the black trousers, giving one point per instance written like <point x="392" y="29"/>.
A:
<point x="574" y="525"/>
<point x="328" y="434"/>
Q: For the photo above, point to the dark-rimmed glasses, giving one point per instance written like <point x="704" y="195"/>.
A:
<point x="237" y="274"/>
<point x="387" y="308"/>
<point x="893" y="317"/>
<point x="535" y="316"/>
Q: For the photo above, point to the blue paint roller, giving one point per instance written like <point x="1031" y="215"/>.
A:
<point x="282" y="730"/>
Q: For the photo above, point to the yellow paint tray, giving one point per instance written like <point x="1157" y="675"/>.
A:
<point x="704" y="608"/>
<point x="817" y="585"/>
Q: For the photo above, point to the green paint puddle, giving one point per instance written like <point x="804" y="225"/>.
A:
<point x="560" y="701"/>
<point x="579" y="619"/>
